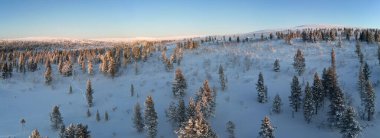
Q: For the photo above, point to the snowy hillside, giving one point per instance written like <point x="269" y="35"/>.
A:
<point x="25" y="95"/>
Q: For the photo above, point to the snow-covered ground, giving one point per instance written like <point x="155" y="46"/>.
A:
<point x="26" y="96"/>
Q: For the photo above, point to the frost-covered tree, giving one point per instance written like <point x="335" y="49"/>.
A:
<point x="48" y="75"/>
<point x="366" y="71"/>
<point x="266" y="129"/>
<point x="179" y="84"/>
<point x="222" y="78"/>
<point x="137" y="118"/>
<point x="350" y="126"/>
<point x="318" y="92"/>
<point x="308" y="104"/>
<point x="370" y="100"/>
<point x="70" y="131"/>
<point x="90" y="68"/>
<point x="61" y="133"/>
<point x="56" y="118"/>
<point x="295" y="94"/>
<point x="277" y="103"/>
<point x="261" y="90"/>
<point x="337" y="105"/>
<point x="89" y="93"/>
<point x="67" y="68"/>
<point x="190" y="110"/>
<point x="196" y="128"/>
<point x="276" y="65"/>
<point x="132" y="90"/>
<point x="106" y="117"/>
<point x="150" y="118"/>
<point x="362" y="86"/>
<point x="230" y="129"/>
<point x="35" y="134"/>
<point x="299" y="62"/>
<point x="97" y="116"/>
<point x="81" y="131"/>
<point x="112" y="67"/>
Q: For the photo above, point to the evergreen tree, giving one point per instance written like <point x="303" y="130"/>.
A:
<point x="70" y="131"/>
<point x="88" y="113"/>
<point x="150" y="117"/>
<point x="336" y="106"/>
<point x="56" y="118"/>
<point x="299" y="62"/>
<point x="89" y="93"/>
<point x="137" y="118"/>
<point x="62" y="132"/>
<point x="266" y="129"/>
<point x="350" y="126"/>
<point x="35" y="134"/>
<point x="276" y="107"/>
<point x="48" y="77"/>
<point x="132" y="90"/>
<point x="333" y="64"/>
<point x="276" y="65"/>
<point x="362" y="86"/>
<point x="70" y="89"/>
<point x="196" y="128"/>
<point x="308" y="104"/>
<point x="370" y="100"/>
<point x="106" y="117"/>
<point x="90" y="68"/>
<point x="97" y="116"/>
<point x="378" y="53"/>
<point x="295" y="95"/>
<point x="366" y="72"/>
<point x="318" y="92"/>
<point x="222" y="78"/>
<point x="190" y="111"/>
<point x="179" y="84"/>
<point x="230" y="128"/>
<point x="261" y="90"/>
<point x="181" y="112"/>
<point x="81" y="131"/>
<point x="112" y="67"/>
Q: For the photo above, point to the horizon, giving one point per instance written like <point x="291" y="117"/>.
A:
<point x="152" y="19"/>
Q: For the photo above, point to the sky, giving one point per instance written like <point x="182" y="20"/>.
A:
<point x="164" y="18"/>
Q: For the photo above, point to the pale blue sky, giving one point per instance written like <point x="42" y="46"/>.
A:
<point x="159" y="18"/>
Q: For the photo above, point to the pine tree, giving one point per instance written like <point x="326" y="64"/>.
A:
<point x="112" y="67"/>
<point x="337" y="106"/>
<point x="366" y="71"/>
<point x="81" y="131"/>
<point x="299" y="62"/>
<point x="70" y="131"/>
<point x="370" y="100"/>
<point x="362" y="86"/>
<point x="137" y="118"/>
<point x="190" y="111"/>
<point x="90" y="68"/>
<point x="295" y="95"/>
<point x="266" y="129"/>
<point x="48" y="77"/>
<point x="88" y="113"/>
<point x="70" y="89"/>
<point x="62" y="132"/>
<point x="378" y="53"/>
<point x="181" y="112"/>
<point x="308" y="104"/>
<point x="318" y="92"/>
<point x="106" y="117"/>
<point x="230" y="128"/>
<point x="222" y="78"/>
<point x="277" y="103"/>
<point x="196" y="128"/>
<point x="261" y="90"/>
<point x="150" y="117"/>
<point x="333" y="64"/>
<point x="89" y="93"/>
<point x="350" y="126"/>
<point x="179" y="84"/>
<point x="56" y="118"/>
<point x="276" y="65"/>
<point x="97" y="116"/>
<point x="132" y="90"/>
<point x="35" y="134"/>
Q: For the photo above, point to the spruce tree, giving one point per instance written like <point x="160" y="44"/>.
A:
<point x="81" y="131"/>
<point x="48" y="77"/>
<point x="137" y="118"/>
<point x="378" y="53"/>
<point x="56" y="118"/>
<point x="362" y="86"/>
<point x="230" y="129"/>
<point x="299" y="62"/>
<point x="35" y="134"/>
<point x="318" y="92"/>
<point x="89" y="93"/>
<point x="261" y="90"/>
<point x="277" y="103"/>
<point x="70" y="89"/>
<point x="308" y="104"/>
<point x="276" y="65"/>
<point x="337" y="106"/>
<point x="112" y="67"/>
<point x="97" y="116"/>
<point x="70" y="131"/>
<point x="295" y="95"/>
<point x="90" y="68"/>
<point x="88" y="113"/>
<point x="106" y="117"/>
<point x="61" y="133"/>
<point x="350" y="126"/>
<point x="190" y="111"/>
<point x="266" y="129"/>
<point x="179" y="84"/>
<point x="222" y="78"/>
<point x="150" y="117"/>
<point x="366" y="71"/>
<point x="181" y="112"/>
<point x="132" y="90"/>
<point x="370" y="100"/>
